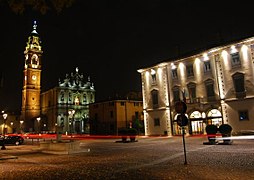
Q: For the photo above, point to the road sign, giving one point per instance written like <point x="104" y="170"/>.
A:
<point x="180" y="107"/>
<point x="182" y="120"/>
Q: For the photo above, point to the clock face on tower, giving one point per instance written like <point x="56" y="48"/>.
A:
<point x="34" y="77"/>
<point x="35" y="61"/>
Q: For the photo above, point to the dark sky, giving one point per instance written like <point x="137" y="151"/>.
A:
<point x="110" y="39"/>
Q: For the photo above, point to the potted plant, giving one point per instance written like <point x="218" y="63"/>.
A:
<point x="225" y="130"/>
<point x="211" y="131"/>
<point x="132" y="132"/>
<point x="123" y="133"/>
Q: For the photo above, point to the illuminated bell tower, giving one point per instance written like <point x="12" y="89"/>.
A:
<point x="32" y="80"/>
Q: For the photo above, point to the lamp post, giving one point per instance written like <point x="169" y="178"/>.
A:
<point x="21" y="126"/>
<point x="71" y="115"/>
<point x="5" y="117"/>
<point x="38" y="124"/>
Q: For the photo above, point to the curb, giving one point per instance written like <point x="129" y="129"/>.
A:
<point x="4" y="157"/>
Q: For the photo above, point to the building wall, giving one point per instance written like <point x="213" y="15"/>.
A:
<point x="108" y="117"/>
<point x="202" y="108"/>
<point x="234" y="107"/>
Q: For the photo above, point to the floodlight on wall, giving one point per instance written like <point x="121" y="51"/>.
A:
<point x="205" y="57"/>
<point x="173" y="66"/>
<point x="233" y="49"/>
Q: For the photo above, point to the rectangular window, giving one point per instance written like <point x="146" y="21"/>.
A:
<point x="235" y="59"/>
<point x="176" y="95"/>
<point x="155" y="98"/>
<point x="122" y="103"/>
<point x="136" y="114"/>
<point x="238" y="79"/>
<point x="243" y="115"/>
<point x="174" y="73"/>
<point x="192" y="92"/>
<point x="136" y="103"/>
<point x="153" y="78"/>
<point x="189" y="69"/>
<point x="210" y="90"/>
<point x="207" y="66"/>
<point x="239" y="84"/>
<point x="156" y="122"/>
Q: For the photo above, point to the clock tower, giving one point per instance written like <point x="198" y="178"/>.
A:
<point x="31" y="81"/>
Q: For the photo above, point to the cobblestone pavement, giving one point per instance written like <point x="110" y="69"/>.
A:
<point x="149" y="158"/>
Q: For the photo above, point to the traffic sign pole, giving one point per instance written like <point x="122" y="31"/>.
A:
<point x="182" y="120"/>
<point x="184" y="149"/>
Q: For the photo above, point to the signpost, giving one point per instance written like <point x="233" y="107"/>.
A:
<point x="182" y="121"/>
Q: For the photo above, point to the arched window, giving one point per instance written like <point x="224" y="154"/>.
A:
<point x="214" y="116"/>
<point x="84" y="98"/>
<point x="196" y="122"/>
<point x="76" y="100"/>
<point x="62" y="96"/>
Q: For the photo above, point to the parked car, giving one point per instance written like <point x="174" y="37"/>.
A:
<point x="14" y="139"/>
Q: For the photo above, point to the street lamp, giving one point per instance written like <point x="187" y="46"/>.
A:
<point x="21" y="126"/>
<point x="38" y="123"/>
<point x="5" y="117"/>
<point x="71" y="115"/>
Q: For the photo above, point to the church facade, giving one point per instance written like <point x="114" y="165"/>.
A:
<point x="217" y="85"/>
<point x="63" y="108"/>
<point x="67" y="106"/>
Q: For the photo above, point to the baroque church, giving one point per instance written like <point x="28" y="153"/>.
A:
<point x="64" y="108"/>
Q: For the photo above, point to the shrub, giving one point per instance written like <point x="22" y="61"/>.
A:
<point x="211" y="129"/>
<point x="122" y="131"/>
<point x="132" y="131"/>
<point x="225" y="129"/>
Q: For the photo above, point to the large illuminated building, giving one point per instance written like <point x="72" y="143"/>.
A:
<point x="67" y="105"/>
<point x="63" y="108"/>
<point x="217" y="85"/>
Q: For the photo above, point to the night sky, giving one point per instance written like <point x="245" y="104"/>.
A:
<point x="109" y="40"/>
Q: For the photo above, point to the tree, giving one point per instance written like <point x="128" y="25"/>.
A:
<point x="42" y="6"/>
<point x="137" y="125"/>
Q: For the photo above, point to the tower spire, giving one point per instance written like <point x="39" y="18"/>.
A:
<point x="34" y="28"/>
